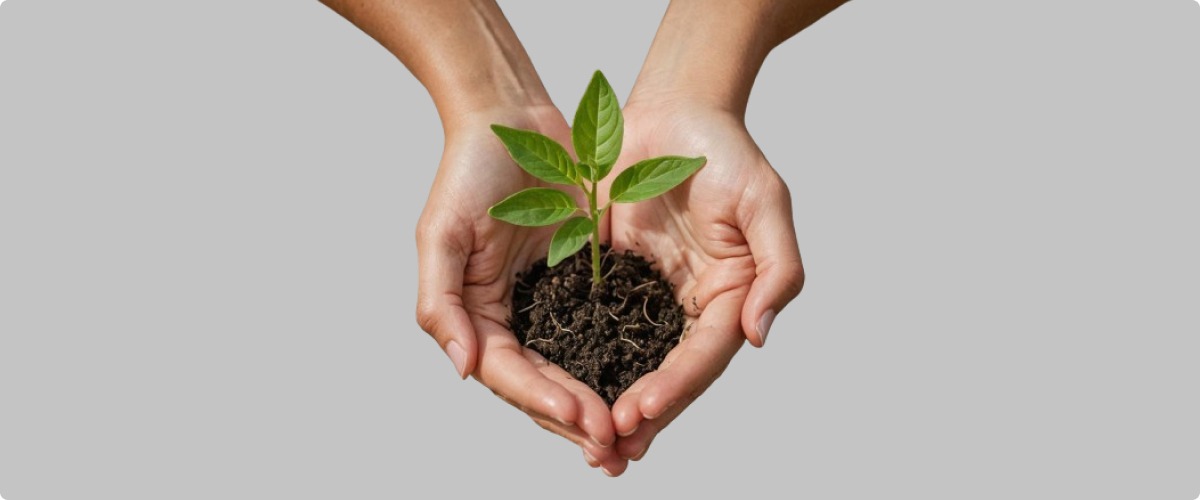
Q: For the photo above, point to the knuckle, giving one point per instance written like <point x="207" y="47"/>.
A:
<point x="427" y="316"/>
<point x="793" y="279"/>
<point x="425" y="229"/>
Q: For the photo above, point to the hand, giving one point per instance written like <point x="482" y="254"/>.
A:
<point x="468" y="263"/>
<point x="725" y="238"/>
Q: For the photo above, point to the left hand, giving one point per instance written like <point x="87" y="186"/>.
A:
<point x="725" y="239"/>
<point x="468" y="264"/>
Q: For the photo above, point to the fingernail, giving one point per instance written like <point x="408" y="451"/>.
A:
<point x="458" y="356"/>
<point x="590" y="459"/>
<point x="607" y="472"/>
<point x="764" y="325"/>
<point x="640" y="455"/>
<point x="627" y="434"/>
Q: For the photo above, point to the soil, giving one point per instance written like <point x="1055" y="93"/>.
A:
<point x="608" y="337"/>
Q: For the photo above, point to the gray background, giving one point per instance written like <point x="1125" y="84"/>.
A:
<point x="208" y="275"/>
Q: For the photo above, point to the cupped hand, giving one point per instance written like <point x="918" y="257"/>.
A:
<point x="468" y="262"/>
<point x="725" y="238"/>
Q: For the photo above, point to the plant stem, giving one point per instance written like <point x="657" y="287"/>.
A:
<point x="597" y="279"/>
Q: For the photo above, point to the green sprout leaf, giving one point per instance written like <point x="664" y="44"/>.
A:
<point x="649" y="178"/>
<point x="539" y="155"/>
<point x="597" y="133"/>
<point x="569" y="238"/>
<point x="599" y="128"/>
<point x="535" y="207"/>
<point x="585" y="170"/>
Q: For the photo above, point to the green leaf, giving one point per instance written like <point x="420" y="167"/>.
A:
<point x="534" y="207"/>
<point x="599" y="128"/>
<point x="539" y="155"/>
<point x="649" y="178"/>
<point x="569" y="238"/>
<point x="585" y="170"/>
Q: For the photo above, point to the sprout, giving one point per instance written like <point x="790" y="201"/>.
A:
<point x="597" y="135"/>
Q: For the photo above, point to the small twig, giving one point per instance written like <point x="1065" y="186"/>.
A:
<point x="647" y="314"/>
<point x="531" y="306"/>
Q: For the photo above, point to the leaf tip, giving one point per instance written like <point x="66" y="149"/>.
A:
<point x="598" y="78"/>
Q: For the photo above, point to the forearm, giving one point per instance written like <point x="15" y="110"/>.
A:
<point x="710" y="51"/>
<point x="463" y="51"/>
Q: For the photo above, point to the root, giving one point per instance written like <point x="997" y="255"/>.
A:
<point x="623" y="339"/>
<point x="531" y="306"/>
<point x="610" y="271"/>
<point x="641" y="286"/>
<point x="647" y="314"/>
<point x="559" y="329"/>
<point x="625" y="299"/>
<point x="605" y="259"/>
<point x="683" y="336"/>
<point x="559" y="326"/>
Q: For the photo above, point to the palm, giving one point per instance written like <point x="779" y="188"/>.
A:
<point x="692" y="231"/>
<point x="698" y="235"/>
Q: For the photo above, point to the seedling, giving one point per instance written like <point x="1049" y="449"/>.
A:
<point x="597" y="134"/>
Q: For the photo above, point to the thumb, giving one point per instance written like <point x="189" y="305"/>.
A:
<point x="779" y="273"/>
<point x="440" y="311"/>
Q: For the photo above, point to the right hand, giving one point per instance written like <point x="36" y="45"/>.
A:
<point x="468" y="263"/>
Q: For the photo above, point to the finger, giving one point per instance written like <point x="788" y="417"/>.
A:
<point x="779" y="273"/>
<point x="595" y="456"/>
<point x="504" y="369"/>
<point x="687" y="372"/>
<point x="626" y="411"/>
<point x="594" y="417"/>
<point x="634" y="446"/>
<point x="440" y="311"/>
<point x="699" y="359"/>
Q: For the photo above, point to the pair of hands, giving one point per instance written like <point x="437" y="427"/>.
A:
<point x="725" y="238"/>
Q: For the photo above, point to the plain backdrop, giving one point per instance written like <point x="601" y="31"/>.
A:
<point x="208" y="270"/>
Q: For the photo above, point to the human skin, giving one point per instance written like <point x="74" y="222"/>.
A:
<point x="726" y="237"/>
<point x="467" y="56"/>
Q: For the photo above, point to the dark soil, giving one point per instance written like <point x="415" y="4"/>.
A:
<point x="608" y="337"/>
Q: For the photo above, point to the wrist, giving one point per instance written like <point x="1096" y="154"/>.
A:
<point x="540" y="117"/>
<point x="482" y="97"/>
<point x="707" y="54"/>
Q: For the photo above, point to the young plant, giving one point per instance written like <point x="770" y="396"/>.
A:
<point x="597" y="135"/>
